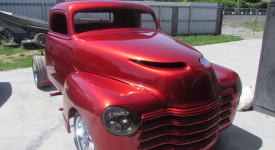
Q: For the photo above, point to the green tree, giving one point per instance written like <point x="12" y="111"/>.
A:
<point x="253" y="1"/>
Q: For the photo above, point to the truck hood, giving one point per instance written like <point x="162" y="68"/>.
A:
<point x="154" y="61"/>
<point x="143" y="45"/>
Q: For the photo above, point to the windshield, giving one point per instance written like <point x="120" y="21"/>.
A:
<point x="115" y="18"/>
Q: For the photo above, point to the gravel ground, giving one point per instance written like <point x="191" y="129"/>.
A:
<point x="233" y="24"/>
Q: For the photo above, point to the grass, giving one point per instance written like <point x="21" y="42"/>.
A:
<point x="197" y="40"/>
<point x="13" y="58"/>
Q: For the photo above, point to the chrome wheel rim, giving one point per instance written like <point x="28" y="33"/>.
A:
<point x="82" y="136"/>
<point x="34" y="72"/>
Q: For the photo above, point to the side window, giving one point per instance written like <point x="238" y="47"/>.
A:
<point x="59" y="23"/>
<point x="147" y="21"/>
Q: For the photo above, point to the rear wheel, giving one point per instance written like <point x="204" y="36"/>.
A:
<point x="39" y="71"/>
<point x="82" y="137"/>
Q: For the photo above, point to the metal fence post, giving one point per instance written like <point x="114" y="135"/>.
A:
<point x="160" y="15"/>
<point x="245" y="15"/>
<point x="190" y="19"/>
<point x="234" y="21"/>
<point x="219" y="18"/>
<point x="175" y="20"/>
<point x="255" y="22"/>
<point x="43" y="10"/>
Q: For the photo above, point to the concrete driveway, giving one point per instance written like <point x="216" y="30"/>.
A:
<point x="30" y="120"/>
<point x="240" y="56"/>
<point x="29" y="117"/>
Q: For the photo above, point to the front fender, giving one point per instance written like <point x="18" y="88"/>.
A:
<point x="230" y="90"/>
<point x="226" y="77"/>
<point x="90" y="94"/>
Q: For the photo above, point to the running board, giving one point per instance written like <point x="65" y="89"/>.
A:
<point x="55" y="93"/>
<point x="46" y="81"/>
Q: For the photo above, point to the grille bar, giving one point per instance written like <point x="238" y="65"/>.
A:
<point x="227" y="98"/>
<point x="196" y="146"/>
<point x="180" y="112"/>
<point x="179" y="121"/>
<point x="225" y="107"/>
<point x="180" y="140"/>
<point x="180" y="131"/>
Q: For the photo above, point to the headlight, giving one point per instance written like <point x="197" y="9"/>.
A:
<point x="119" y="121"/>
<point x="239" y="85"/>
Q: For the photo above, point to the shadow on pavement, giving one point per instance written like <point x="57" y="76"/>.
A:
<point x="235" y="138"/>
<point x="49" y="88"/>
<point x="5" y="92"/>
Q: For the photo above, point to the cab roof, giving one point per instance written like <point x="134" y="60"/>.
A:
<point x="73" y="6"/>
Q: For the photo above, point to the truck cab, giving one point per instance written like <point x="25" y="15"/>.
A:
<point x="127" y="85"/>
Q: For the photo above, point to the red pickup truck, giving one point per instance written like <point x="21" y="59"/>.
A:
<point x="130" y="86"/>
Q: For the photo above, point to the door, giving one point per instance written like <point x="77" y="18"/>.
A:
<point x="57" y="61"/>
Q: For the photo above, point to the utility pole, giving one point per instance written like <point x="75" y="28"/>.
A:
<point x="264" y="98"/>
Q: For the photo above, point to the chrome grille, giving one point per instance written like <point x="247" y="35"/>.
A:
<point x="173" y="128"/>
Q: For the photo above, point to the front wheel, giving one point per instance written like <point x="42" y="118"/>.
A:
<point x="81" y="136"/>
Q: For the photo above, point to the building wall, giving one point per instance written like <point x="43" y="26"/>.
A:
<point x="188" y="18"/>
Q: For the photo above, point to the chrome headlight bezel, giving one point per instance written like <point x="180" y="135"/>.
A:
<point x="238" y="85"/>
<point x="119" y="121"/>
<point x="205" y="62"/>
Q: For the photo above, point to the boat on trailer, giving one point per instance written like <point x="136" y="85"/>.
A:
<point x="28" y="24"/>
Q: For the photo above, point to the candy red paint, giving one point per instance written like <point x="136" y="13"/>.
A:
<point x="181" y="103"/>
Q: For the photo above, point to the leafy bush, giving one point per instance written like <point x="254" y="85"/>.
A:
<point x="244" y="4"/>
<point x="253" y="1"/>
<point x="262" y="4"/>
<point x="227" y="3"/>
